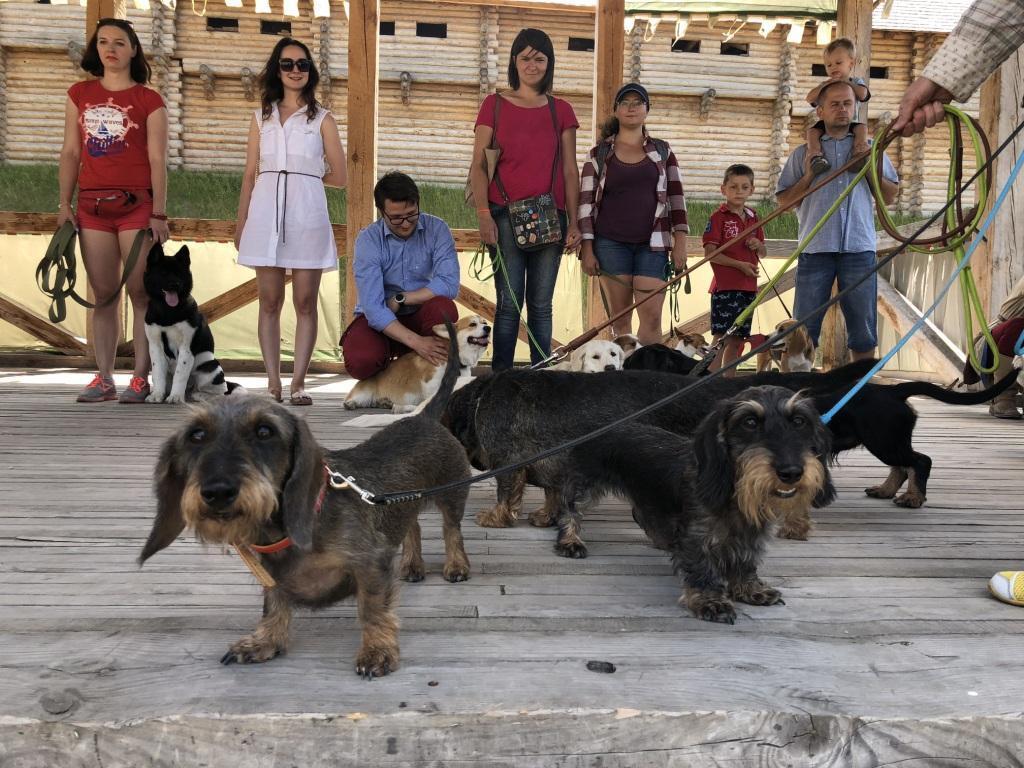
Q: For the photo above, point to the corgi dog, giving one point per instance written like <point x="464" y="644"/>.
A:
<point x="410" y="380"/>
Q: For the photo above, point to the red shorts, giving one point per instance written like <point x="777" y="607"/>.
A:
<point x="110" y="211"/>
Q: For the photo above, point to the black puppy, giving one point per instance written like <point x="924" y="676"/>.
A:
<point x="710" y="502"/>
<point x="516" y="414"/>
<point x="180" y="341"/>
<point x="658" y="357"/>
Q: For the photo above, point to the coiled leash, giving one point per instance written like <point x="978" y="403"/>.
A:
<point x="57" y="272"/>
<point x="956" y="228"/>
<point x="415" y="495"/>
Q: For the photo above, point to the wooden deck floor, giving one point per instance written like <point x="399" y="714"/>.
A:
<point x="888" y="647"/>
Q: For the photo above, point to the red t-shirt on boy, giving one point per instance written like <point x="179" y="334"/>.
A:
<point x="528" y="142"/>
<point x="112" y="125"/>
<point x="723" y="226"/>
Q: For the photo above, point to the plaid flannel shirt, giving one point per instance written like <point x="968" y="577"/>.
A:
<point x="986" y="35"/>
<point x="669" y="214"/>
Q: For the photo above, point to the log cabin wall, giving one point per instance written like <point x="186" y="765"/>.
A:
<point x="722" y="94"/>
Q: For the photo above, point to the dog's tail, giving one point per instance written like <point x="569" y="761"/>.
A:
<point x="924" y="389"/>
<point x="435" y="407"/>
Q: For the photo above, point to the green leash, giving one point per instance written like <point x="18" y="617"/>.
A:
<point x="57" y="272"/>
<point x="482" y="259"/>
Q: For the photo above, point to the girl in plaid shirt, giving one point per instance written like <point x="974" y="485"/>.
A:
<point x="632" y="213"/>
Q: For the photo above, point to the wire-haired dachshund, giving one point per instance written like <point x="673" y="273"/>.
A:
<point x="247" y="472"/>
<point x="710" y="502"/>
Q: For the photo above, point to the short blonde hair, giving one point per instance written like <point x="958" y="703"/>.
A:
<point x="844" y="43"/>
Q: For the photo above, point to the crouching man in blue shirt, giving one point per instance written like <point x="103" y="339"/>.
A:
<point x="407" y="275"/>
<point x="844" y="249"/>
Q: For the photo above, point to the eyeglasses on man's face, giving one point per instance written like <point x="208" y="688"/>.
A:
<point x="287" y="65"/>
<point x="398" y="221"/>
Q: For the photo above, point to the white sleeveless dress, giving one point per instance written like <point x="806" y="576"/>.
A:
<point x="288" y="225"/>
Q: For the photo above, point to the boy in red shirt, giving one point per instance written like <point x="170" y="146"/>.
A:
<point x="735" y="283"/>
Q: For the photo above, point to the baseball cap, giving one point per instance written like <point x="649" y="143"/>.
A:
<point x="636" y="88"/>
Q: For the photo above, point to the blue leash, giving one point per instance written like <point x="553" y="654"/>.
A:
<point x="1018" y="348"/>
<point x="826" y="418"/>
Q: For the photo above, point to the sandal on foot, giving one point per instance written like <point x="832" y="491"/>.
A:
<point x="300" y="398"/>
<point x="275" y="395"/>
<point x="1008" y="586"/>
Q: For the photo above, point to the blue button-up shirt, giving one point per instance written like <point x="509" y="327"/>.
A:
<point x="385" y="264"/>
<point x="851" y="229"/>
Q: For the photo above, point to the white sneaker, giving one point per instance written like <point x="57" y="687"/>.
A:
<point x="1008" y="586"/>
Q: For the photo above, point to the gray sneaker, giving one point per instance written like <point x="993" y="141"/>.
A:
<point x="98" y="390"/>
<point x="137" y="392"/>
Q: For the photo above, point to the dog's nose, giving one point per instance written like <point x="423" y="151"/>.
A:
<point x="791" y="474"/>
<point x="611" y="368"/>
<point x="219" y="494"/>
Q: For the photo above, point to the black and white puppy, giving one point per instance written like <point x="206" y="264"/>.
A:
<point x="180" y="341"/>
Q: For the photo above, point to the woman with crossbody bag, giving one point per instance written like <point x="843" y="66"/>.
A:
<point x="527" y="212"/>
<point x="115" y="153"/>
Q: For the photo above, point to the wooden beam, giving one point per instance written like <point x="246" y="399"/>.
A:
<point x="101" y="9"/>
<point x="609" y="59"/>
<point x="474" y="301"/>
<point x="363" y="66"/>
<point x="933" y="345"/>
<point x="40" y="327"/>
<point x="998" y="262"/>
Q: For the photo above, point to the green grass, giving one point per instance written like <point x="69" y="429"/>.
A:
<point x="214" y="195"/>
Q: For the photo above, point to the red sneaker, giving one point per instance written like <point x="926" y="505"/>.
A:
<point x="98" y="390"/>
<point x="137" y="392"/>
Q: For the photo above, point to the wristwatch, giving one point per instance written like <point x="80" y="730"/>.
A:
<point x="400" y="298"/>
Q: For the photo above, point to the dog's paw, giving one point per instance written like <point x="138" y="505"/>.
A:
<point x="412" y="572"/>
<point x="879" y="492"/>
<point x="498" y="517"/>
<point x="351" y="405"/>
<point x="154" y="397"/>
<point x="456" y="571"/>
<point x="576" y="550"/>
<point x="376" y="662"/>
<point x="795" y="529"/>
<point x="175" y="398"/>
<point x="541" y="518"/>
<point x="910" y="500"/>
<point x="249" y="650"/>
<point x="758" y="593"/>
<point x="715" y="608"/>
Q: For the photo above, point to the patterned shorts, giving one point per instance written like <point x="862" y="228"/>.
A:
<point x="726" y="307"/>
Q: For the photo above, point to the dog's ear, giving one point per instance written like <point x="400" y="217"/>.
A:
<point x="302" y="486"/>
<point x="183" y="256"/>
<point x="168" y="485"/>
<point x="440" y="330"/>
<point x="577" y="358"/>
<point x="715" y="485"/>
<point x="155" y="253"/>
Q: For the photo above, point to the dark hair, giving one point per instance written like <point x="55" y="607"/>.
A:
<point x="397" y="187"/>
<point x="540" y="42"/>
<point x="91" y="63"/>
<point x="832" y="84"/>
<point x="271" y="89"/>
<point x="738" y="169"/>
<point x="842" y="42"/>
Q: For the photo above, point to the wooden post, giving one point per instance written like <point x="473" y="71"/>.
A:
<point x="998" y="261"/>
<point x="853" y="21"/>
<point x="609" y="59"/>
<point x="363" y="65"/>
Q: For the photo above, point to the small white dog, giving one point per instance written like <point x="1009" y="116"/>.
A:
<point x="629" y="342"/>
<point x="594" y="356"/>
<point x="692" y="344"/>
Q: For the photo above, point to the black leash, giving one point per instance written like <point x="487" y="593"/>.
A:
<point x="415" y="495"/>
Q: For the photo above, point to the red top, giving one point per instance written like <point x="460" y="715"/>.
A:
<point x="722" y="227"/>
<point x="113" y="129"/>
<point x="527" y="140"/>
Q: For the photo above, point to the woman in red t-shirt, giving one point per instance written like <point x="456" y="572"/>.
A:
<point x="531" y="143"/>
<point x="115" y="153"/>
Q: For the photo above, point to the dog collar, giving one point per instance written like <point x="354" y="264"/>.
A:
<point x="277" y="546"/>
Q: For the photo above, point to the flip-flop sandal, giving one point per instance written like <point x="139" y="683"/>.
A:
<point x="300" y="398"/>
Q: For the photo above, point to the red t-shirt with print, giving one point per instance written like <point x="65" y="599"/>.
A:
<point x="723" y="226"/>
<point x="528" y="142"/>
<point x="112" y="125"/>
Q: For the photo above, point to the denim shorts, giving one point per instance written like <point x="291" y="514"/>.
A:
<point x="618" y="258"/>
<point x="726" y="307"/>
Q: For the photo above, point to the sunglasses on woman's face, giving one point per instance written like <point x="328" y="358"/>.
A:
<point x="287" y="65"/>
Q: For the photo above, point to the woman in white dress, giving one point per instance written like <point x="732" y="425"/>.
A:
<point x="282" y="211"/>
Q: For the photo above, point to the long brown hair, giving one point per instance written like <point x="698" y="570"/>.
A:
<point x="271" y="88"/>
<point x="91" y="63"/>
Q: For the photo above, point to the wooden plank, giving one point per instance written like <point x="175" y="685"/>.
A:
<point x="363" y="66"/>
<point x="40" y="327"/>
<point x="102" y="9"/>
<point x="933" y="345"/>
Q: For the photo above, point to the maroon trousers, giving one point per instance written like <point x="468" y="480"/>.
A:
<point x="368" y="352"/>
